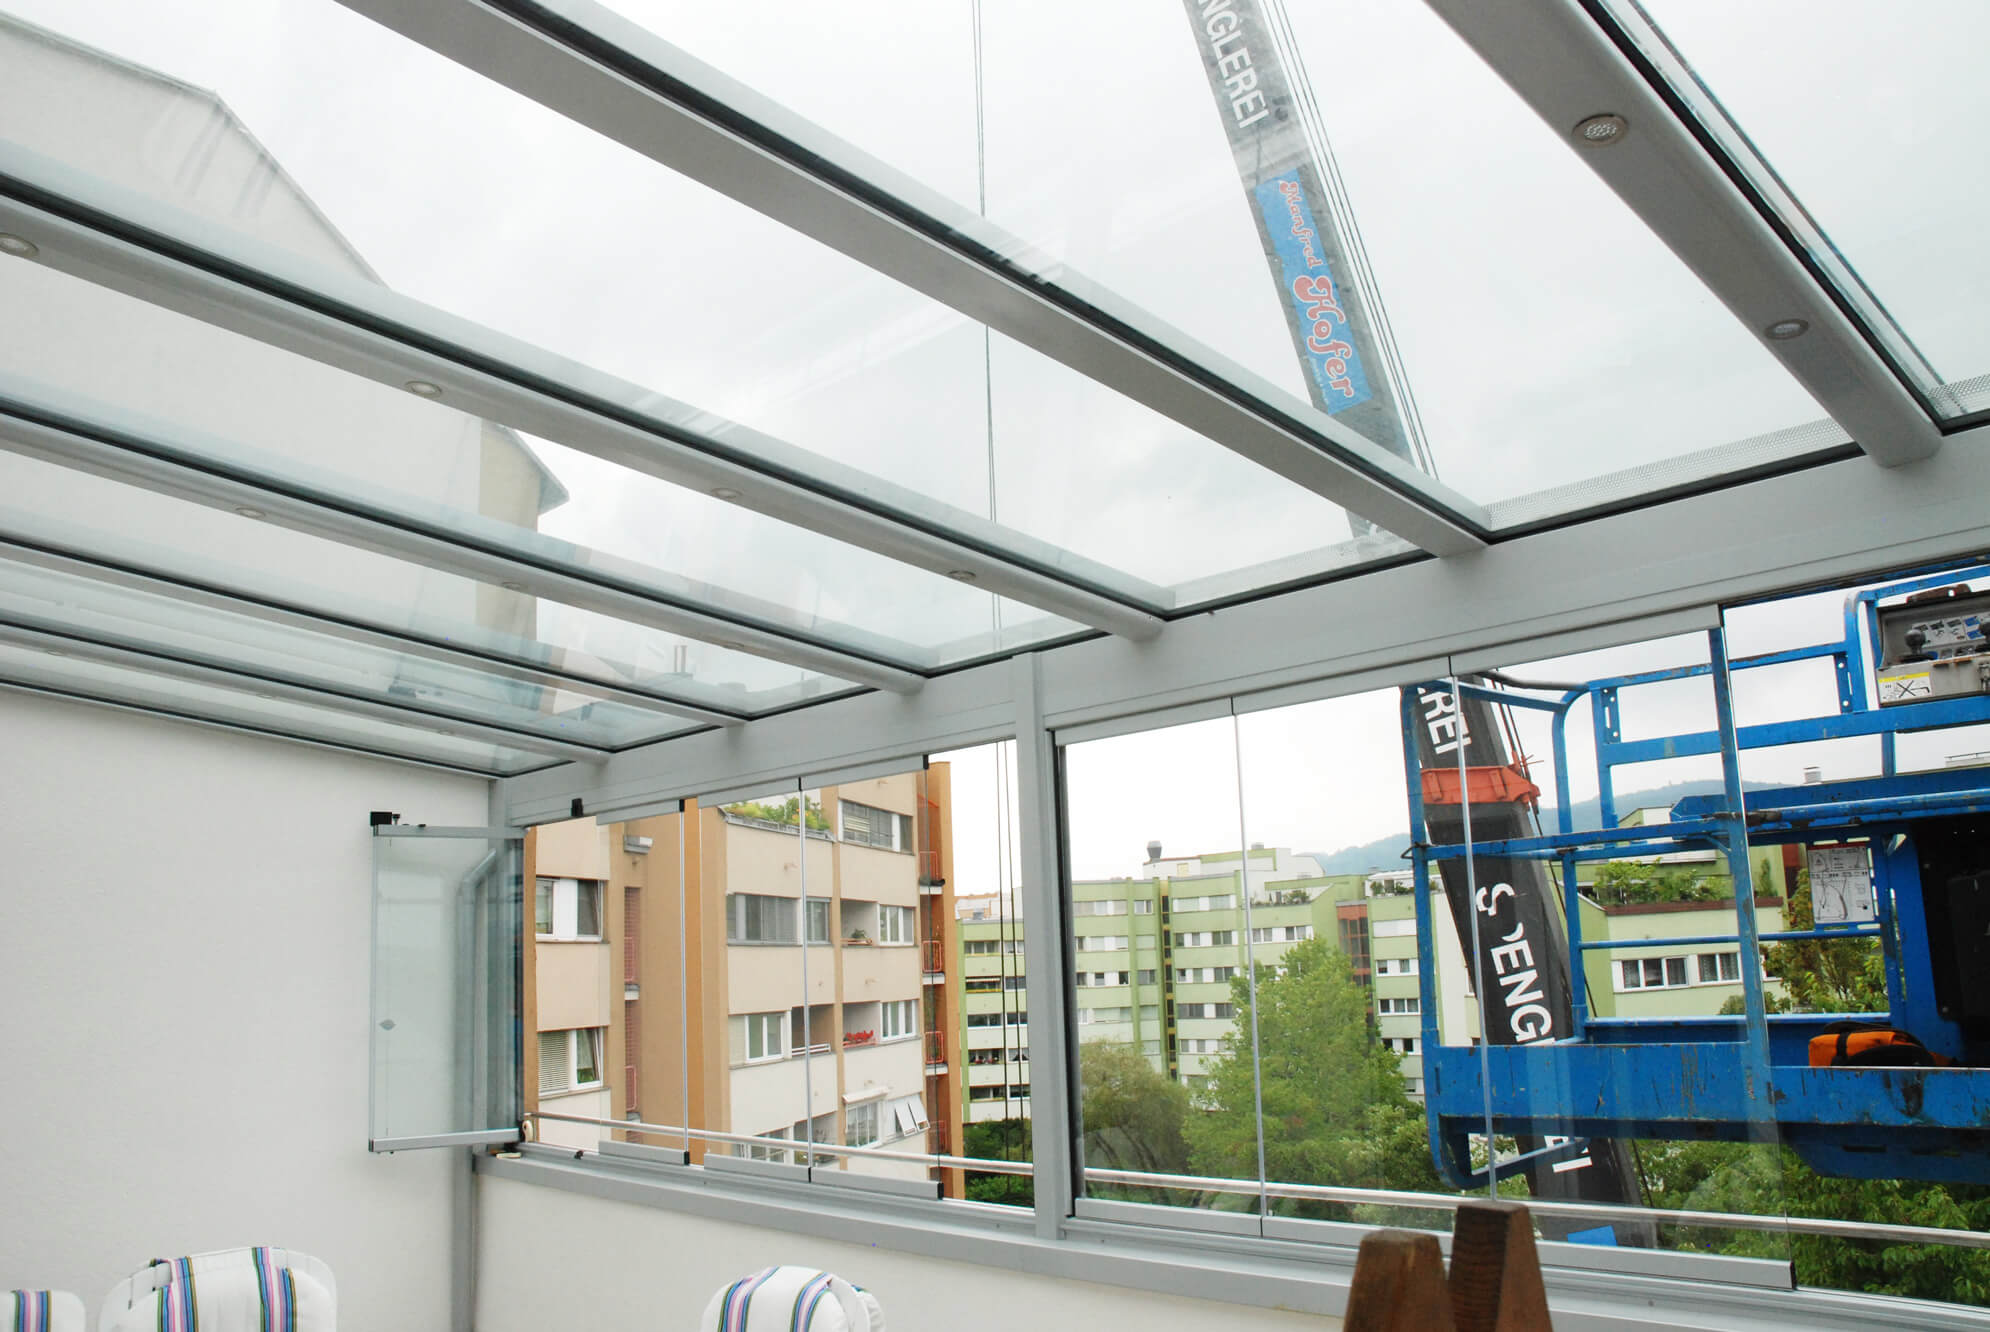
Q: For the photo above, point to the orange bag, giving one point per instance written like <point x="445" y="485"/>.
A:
<point x="1869" y="1045"/>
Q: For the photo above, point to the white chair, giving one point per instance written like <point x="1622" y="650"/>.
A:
<point x="792" y="1299"/>
<point x="238" y="1290"/>
<point x="41" y="1311"/>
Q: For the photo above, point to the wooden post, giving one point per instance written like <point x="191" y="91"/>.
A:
<point x="1494" y="1285"/>
<point x="1398" y="1285"/>
<point x="1495" y="1271"/>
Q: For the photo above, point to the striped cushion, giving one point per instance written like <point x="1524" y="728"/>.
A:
<point x="252" y="1296"/>
<point x="792" y="1299"/>
<point x="40" y="1311"/>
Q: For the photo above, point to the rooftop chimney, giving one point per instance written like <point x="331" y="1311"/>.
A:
<point x="1153" y="852"/>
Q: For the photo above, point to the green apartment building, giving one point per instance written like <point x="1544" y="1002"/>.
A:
<point x="1154" y="957"/>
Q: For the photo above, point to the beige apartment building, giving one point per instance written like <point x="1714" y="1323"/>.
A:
<point x="809" y="975"/>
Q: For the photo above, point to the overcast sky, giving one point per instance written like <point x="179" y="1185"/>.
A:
<point x="1548" y="337"/>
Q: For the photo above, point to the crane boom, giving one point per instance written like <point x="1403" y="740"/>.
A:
<point x="1340" y="336"/>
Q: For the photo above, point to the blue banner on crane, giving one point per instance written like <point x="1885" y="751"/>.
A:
<point x="1339" y="381"/>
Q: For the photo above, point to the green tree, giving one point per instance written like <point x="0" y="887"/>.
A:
<point x="784" y="812"/>
<point x="1335" y="1107"/>
<point x="998" y="1140"/>
<point x="1132" y="1113"/>
<point x="1627" y="882"/>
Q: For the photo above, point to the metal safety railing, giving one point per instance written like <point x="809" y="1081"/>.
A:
<point x="935" y="1159"/>
<point x="1792" y="1225"/>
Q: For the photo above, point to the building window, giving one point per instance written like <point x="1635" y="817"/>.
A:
<point x="754" y="918"/>
<point x="1282" y="934"/>
<point x="899" y="1018"/>
<point x="1087" y="1016"/>
<point x="985" y="984"/>
<point x="1651" y="973"/>
<point x="818" y="920"/>
<point x="1216" y="902"/>
<point x="1099" y="978"/>
<point x="569" y="1060"/>
<point x="1108" y="908"/>
<point x="1102" y="943"/>
<point x="905" y="1115"/>
<point x="567" y="909"/>
<point x="1400" y="1044"/>
<point x="1393" y="929"/>
<point x="1203" y="975"/>
<point x="1145" y="976"/>
<point x="1718" y="967"/>
<point x="1206" y="1010"/>
<point x="895" y="924"/>
<point x="984" y="1056"/>
<point x="1143" y="908"/>
<point x="1206" y="939"/>
<point x="868" y="826"/>
<point x="758" y="1036"/>
<point x="996" y="1019"/>
<point x="860" y="1124"/>
<point x="1395" y="966"/>
<point x="1389" y="1006"/>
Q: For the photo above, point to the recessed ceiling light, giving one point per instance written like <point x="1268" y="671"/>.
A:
<point x="961" y="575"/>
<point x="512" y="587"/>
<point x="440" y="732"/>
<point x="55" y="652"/>
<point x="733" y="647"/>
<point x="421" y="388"/>
<point x="18" y="246"/>
<point x="1601" y="131"/>
<point x="724" y="493"/>
<point x="1785" y="329"/>
<point x="247" y="512"/>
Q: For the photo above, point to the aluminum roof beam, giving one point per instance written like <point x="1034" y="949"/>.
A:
<point x="1565" y="66"/>
<point x="32" y="550"/>
<point x="602" y="71"/>
<point x="120" y="239"/>
<point x="136" y="701"/>
<point x="483" y="550"/>
<point x="130" y="655"/>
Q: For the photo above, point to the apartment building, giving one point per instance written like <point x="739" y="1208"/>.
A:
<point x="807" y="960"/>
<point x="1154" y="957"/>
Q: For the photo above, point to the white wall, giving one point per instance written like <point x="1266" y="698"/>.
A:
<point x="184" y="939"/>
<point x="626" y="1265"/>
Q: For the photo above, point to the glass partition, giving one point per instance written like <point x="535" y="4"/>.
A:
<point x="980" y="1014"/>
<point x="447" y="907"/>
<point x="1160" y="959"/>
<point x="1608" y="904"/>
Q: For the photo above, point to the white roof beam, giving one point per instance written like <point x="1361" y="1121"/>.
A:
<point x="1568" y="69"/>
<point x="533" y="564"/>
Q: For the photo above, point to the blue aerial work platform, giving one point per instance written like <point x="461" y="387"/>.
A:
<point x="1745" y="1077"/>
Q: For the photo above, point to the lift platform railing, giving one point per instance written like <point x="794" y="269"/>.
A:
<point x="1869" y="808"/>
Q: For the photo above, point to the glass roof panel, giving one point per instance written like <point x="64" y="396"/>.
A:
<point x="275" y="567"/>
<point x="459" y="193"/>
<point x="1863" y="126"/>
<point x="236" y="401"/>
<point x="61" y="603"/>
<point x="103" y="682"/>
<point x="1552" y="352"/>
